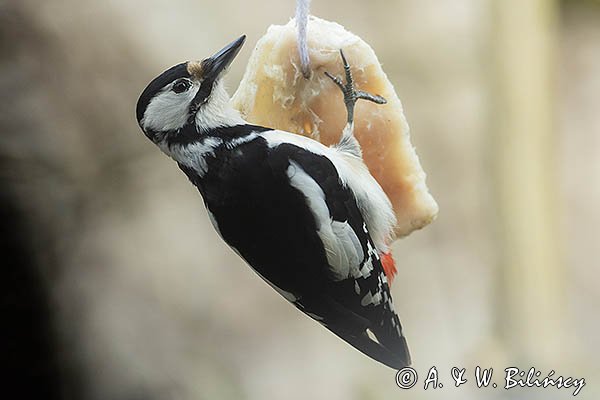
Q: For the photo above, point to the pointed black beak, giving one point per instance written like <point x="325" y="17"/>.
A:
<point x="213" y="66"/>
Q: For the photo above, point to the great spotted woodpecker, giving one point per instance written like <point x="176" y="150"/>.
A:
<point x="309" y="219"/>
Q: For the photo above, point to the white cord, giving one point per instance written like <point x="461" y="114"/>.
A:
<point x="302" y="8"/>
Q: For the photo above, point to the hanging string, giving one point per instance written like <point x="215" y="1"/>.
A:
<point x="302" y="7"/>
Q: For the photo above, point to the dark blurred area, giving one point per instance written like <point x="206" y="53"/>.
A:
<point x="115" y="285"/>
<point x="29" y="345"/>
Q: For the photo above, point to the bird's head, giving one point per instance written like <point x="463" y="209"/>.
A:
<point x="187" y="99"/>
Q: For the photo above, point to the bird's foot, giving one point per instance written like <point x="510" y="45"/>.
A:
<point x="351" y="95"/>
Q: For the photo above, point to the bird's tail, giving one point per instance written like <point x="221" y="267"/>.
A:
<point x="384" y="343"/>
<point x="396" y="356"/>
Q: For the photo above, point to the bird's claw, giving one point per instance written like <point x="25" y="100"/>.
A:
<point x="351" y="95"/>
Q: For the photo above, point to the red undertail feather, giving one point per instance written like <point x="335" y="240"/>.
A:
<point x="389" y="267"/>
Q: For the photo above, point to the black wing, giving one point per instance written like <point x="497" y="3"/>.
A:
<point x="269" y="223"/>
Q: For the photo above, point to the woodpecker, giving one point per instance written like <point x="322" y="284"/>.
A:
<point x="307" y="218"/>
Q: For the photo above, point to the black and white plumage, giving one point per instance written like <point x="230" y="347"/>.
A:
<point x="309" y="219"/>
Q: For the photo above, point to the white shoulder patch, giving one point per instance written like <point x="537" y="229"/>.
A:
<point x="342" y="247"/>
<point x="372" y="201"/>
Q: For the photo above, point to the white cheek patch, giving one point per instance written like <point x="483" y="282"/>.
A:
<point x="342" y="247"/>
<point x="168" y="110"/>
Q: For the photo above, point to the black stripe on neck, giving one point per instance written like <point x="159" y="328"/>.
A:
<point x="189" y="134"/>
<point x="233" y="132"/>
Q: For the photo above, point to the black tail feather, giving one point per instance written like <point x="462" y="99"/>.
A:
<point x="389" y="348"/>
<point x="396" y="358"/>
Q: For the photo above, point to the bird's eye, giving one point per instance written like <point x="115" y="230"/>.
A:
<point x="181" y="86"/>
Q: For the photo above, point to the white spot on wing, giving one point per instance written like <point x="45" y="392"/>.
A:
<point x="372" y="336"/>
<point x="366" y="300"/>
<point x="376" y="298"/>
<point x="366" y="269"/>
<point x="369" y="298"/>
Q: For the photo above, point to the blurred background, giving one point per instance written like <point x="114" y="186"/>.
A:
<point x="116" y="286"/>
